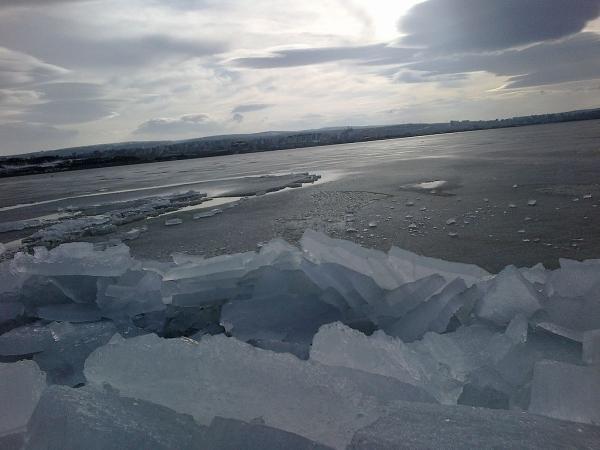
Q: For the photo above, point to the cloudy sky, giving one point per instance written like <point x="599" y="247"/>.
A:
<point x="77" y="72"/>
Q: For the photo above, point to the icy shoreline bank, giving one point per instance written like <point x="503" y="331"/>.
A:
<point x="331" y="344"/>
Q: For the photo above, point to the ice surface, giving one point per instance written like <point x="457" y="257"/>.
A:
<point x="322" y="340"/>
<point x="231" y="434"/>
<point x="431" y="315"/>
<point x="136" y="292"/>
<point x="77" y="258"/>
<point x="103" y="219"/>
<point x="21" y="385"/>
<point x="70" y="312"/>
<point x="174" y="221"/>
<point x="25" y="340"/>
<point x="211" y="213"/>
<point x="319" y="248"/>
<point x="565" y="391"/>
<point x="417" y="426"/>
<point x="222" y="376"/>
<point x="64" y="354"/>
<point x="508" y="294"/>
<point x="338" y="345"/>
<point x="517" y="329"/>
<point x="67" y="418"/>
<point x="283" y="308"/>
<point x="591" y="347"/>
<point x="413" y="267"/>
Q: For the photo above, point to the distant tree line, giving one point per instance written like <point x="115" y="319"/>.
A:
<point x="132" y="153"/>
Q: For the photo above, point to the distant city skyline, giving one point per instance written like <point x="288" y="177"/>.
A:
<point x="81" y="72"/>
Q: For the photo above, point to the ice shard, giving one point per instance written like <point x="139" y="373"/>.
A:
<point x="566" y="391"/>
<point x="425" y="426"/>
<point x="21" y="385"/>
<point x="221" y="376"/>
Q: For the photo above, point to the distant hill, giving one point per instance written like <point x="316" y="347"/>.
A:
<point x="150" y="151"/>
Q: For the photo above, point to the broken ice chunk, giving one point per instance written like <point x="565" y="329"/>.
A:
<point x="408" y="296"/>
<point x="591" y="347"/>
<point x="338" y="345"/>
<point x="426" y="426"/>
<point x="171" y="222"/>
<point x="320" y="248"/>
<point x="21" y="385"/>
<point x="411" y="267"/>
<point x="67" y="418"/>
<point x="574" y="279"/>
<point x="279" y="316"/>
<point x="508" y="294"/>
<point x="193" y="267"/>
<point x="221" y="376"/>
<point x="77" y="258"/>
<point x="71" y="312"/>
<point x="451" y="221"/>
<point x="566" y="391"/>
<point x="211" y="213"/>
<point x="136" y="292"/>
<point x="10" y="311"/>
<point x="432" y="315"/>
<point x="231" y="434"/>
<point x="532" y="202"/>
<point x="517" y="329"/>
<point x="64" y="356"/>
<point x="25" y="340"/>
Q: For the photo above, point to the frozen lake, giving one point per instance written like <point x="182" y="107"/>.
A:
<point x="395" y="185"/>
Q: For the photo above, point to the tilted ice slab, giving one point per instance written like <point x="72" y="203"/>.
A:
<point x="418" y="426"/>
<point x="222" y="376"/>
<point x="508" y="294"/>
<point x="67" y="418"/>
<point x="77" y="258"/>
<point x="338" y="345"/>
<point x="566" y="391"/>
<point x="388" y="270"/>
<point x="100" y="419"/>
<point x="21" y="385"/>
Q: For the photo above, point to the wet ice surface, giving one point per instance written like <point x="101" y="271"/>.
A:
<point x="109" y="218"/>
<point x="325" y="345"/>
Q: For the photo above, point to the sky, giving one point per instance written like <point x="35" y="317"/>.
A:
<point x="80" y="72"/>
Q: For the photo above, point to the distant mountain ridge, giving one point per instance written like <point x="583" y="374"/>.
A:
<point x="150" y="151"/>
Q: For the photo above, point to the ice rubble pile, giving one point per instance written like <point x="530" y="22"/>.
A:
<point x="104" y="218"/>
<point x="326" y="346"/>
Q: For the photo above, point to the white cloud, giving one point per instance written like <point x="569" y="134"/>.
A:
<point x="116" y="70"/>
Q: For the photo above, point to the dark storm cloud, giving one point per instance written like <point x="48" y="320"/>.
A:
<point x="250" y="107"/>
<point x="62" y="43"/>
<point x="189" y="123"/>
<point x="20" y="137"/>
<point x="308" y="56"/>
<point x="574" y="59"/>
<point x="474" y="25"/>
